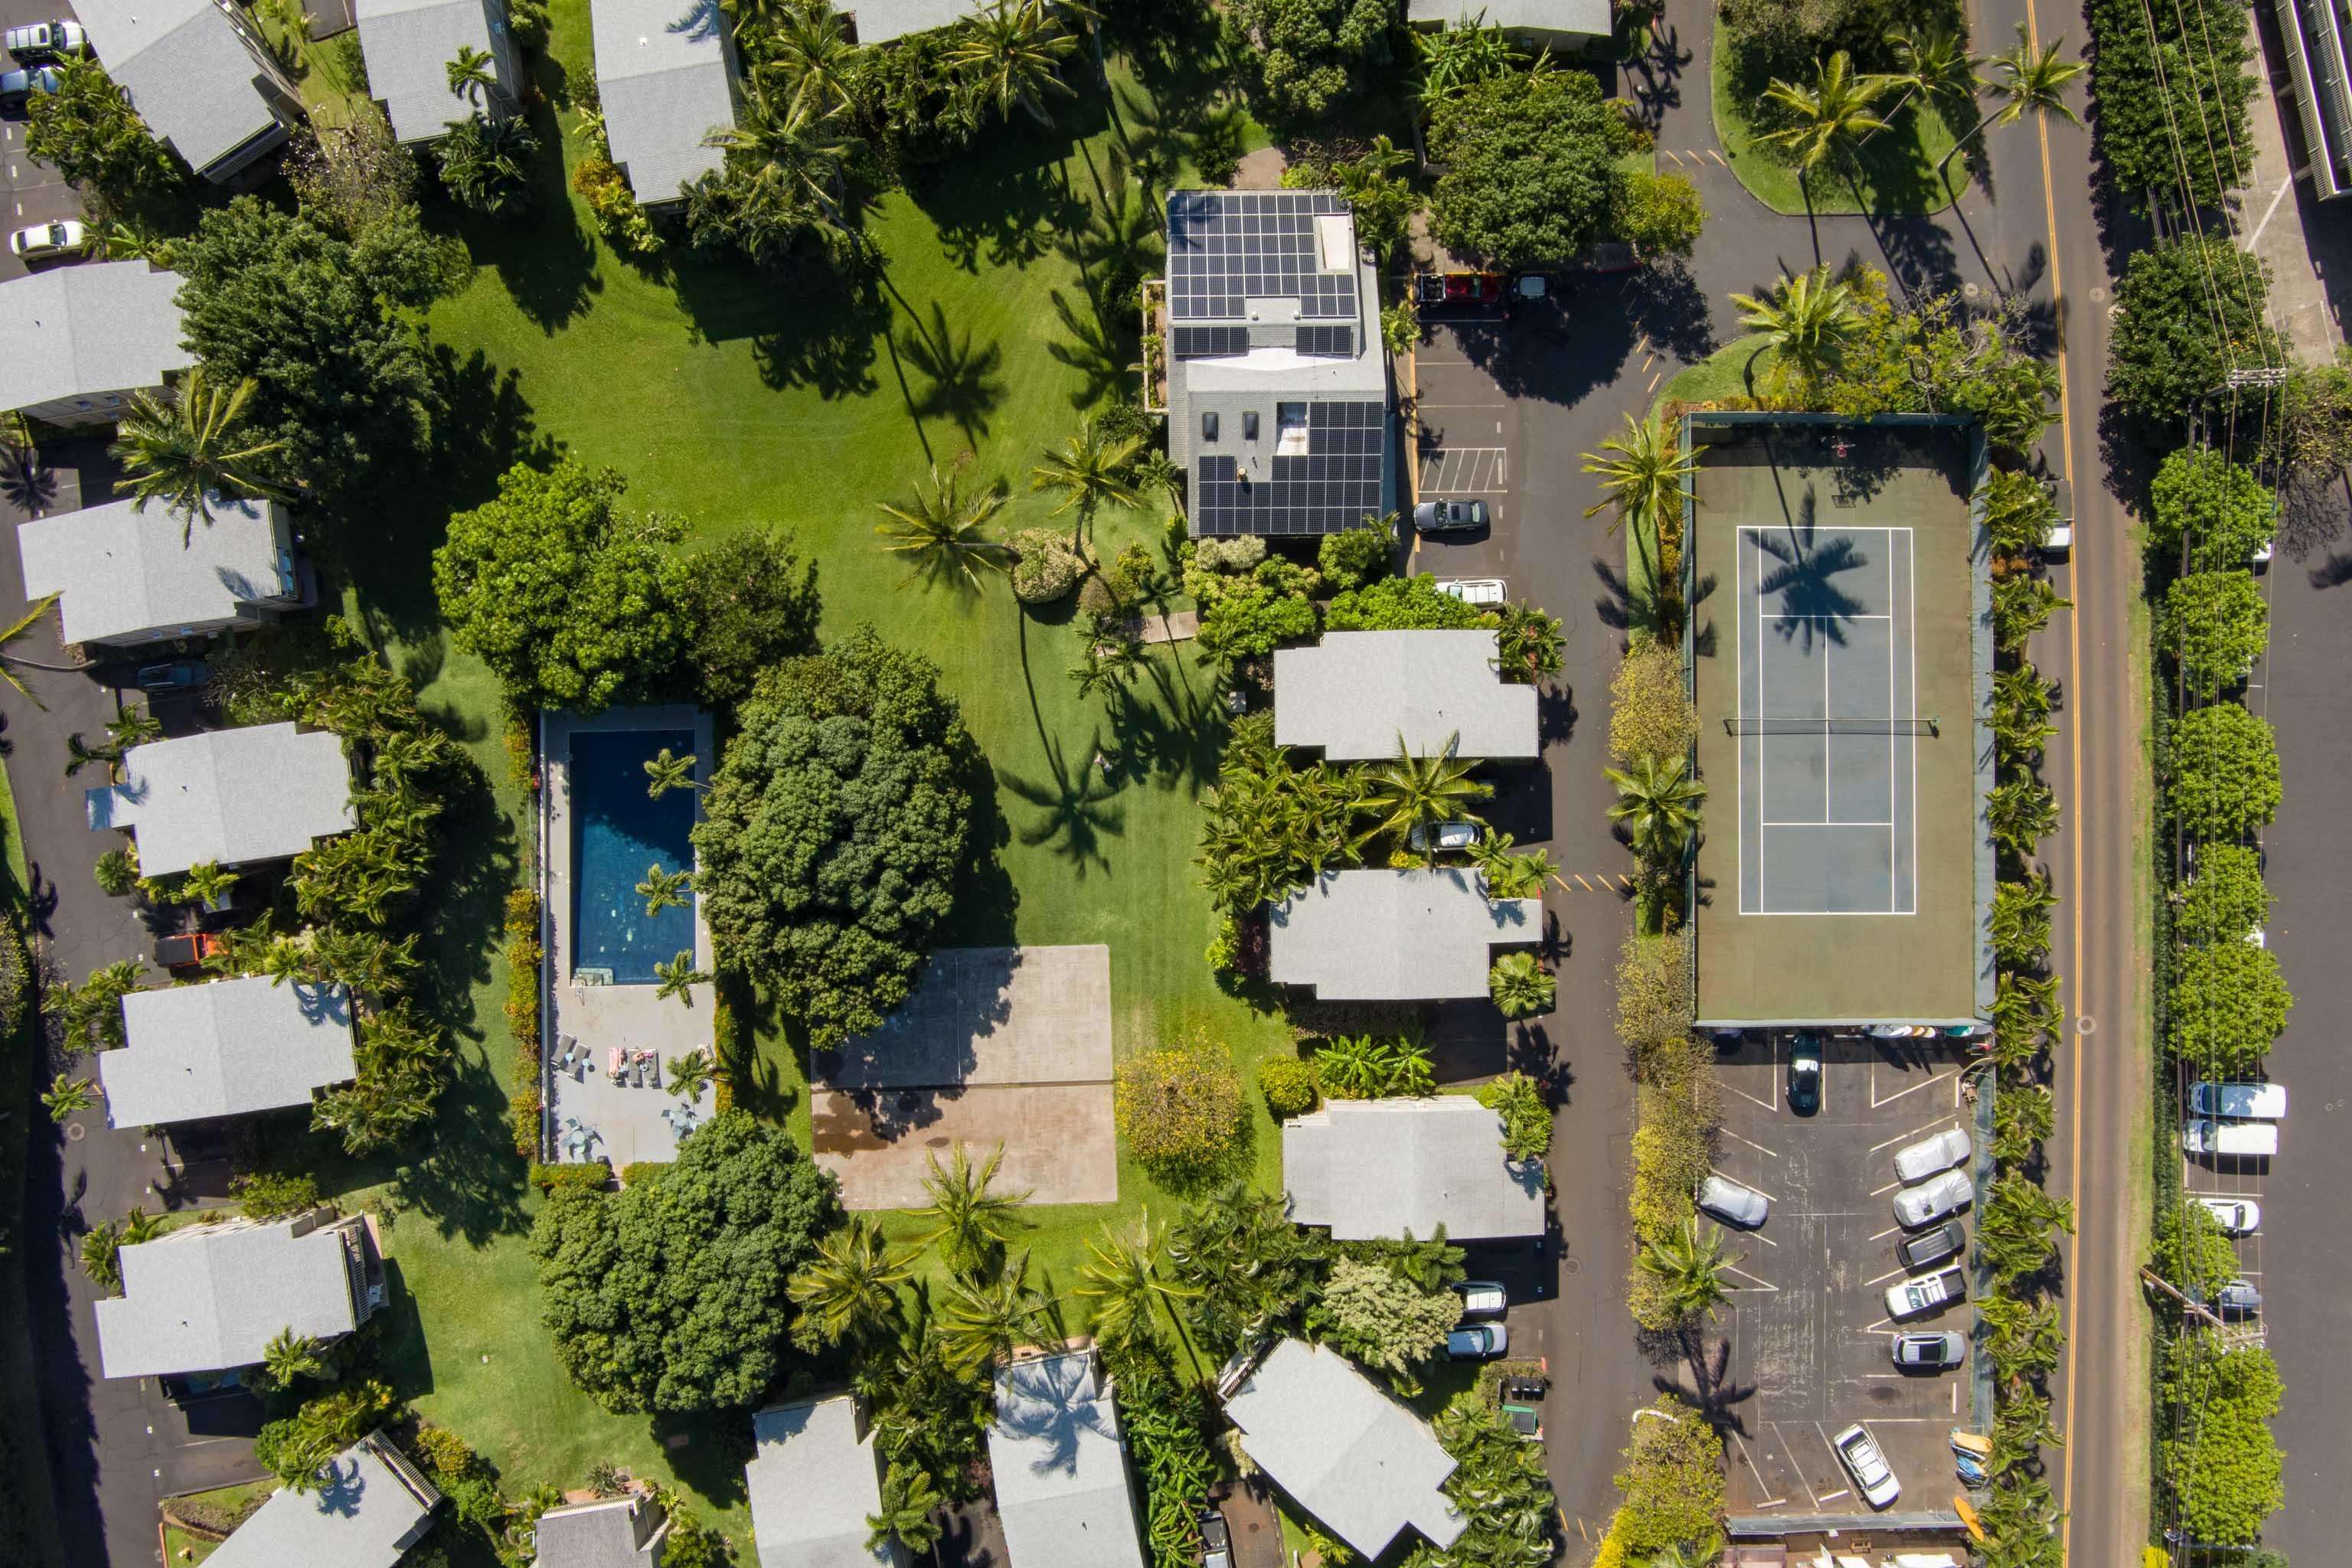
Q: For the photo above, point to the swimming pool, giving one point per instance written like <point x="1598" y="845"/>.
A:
<point x="616" y="832"/>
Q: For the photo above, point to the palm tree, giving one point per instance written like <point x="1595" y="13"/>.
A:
<point x="1833" y="112"/>
<point x="1689" y="1268"/>
<point x="284" y="958"/>
<point x="665" y="772"/>
<point x="131" y="727"/>
<point x="2020" y="812"/>
<point x="206" y="883"/>
<point x="970" y="1220"/>
<point x="1156" y="470"/>
<point x="1509" y="875"/>
<point x="2022" y="606"/>
<point x="908" y="1503"/>
<point x="1934" y="62"/>
<point x="139" y="1227"/>
<point x="1408" y="792"/>
<point x="117" y="871"/>
<point x="1450" y="58"/>
<point x="1013" y="51"/>
<point x="985" y="1319"/>
<point x="67" y="1096"/>
<point x="2026" y="83"/>
<point x="20" y="627"/>
<point x="1805" y="324"/>
<point x="2018" y="925"/>
<point x="849" y="1290"/>
<point x="1520" y="987"/>
<point x="946" y="535"/>
<point x="690" y="1074"/>
<point x="1644" y="480"/>
<point x="678" y="977"/>
<point x="664" y="889"/>
<point x="1108" y="666"/>
<point x="1658" y="802"/>
<point x="473" y="74"/>
<point x="1088" y="470"/>
<point x="795" y="152"/>
<point x="101" y="1248"/>
<point x="813" y="52"/>
<point x="194" y="448"/>
<point x="290" y="1356"/>
<point x="1124" y="1281"/>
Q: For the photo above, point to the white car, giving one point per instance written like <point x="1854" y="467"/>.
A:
<point x="1925" y="1293"/>
<point x="2060" y="543"/>
<point x="1473" y="590"/>
<point x="2262" y="552"/>
<point x="1932" y="1199"/>
<point x="41" y="241"/>
<point x="1729" y="1202"/>
<point x="1482" y="1298"/>
<point x="1444" y="836"/>
<point x="1941" y="1152"/>
<point x="2239" y="1102"/>
<point x="1858" y="1452"/>
<point x="2236" y="1216"/>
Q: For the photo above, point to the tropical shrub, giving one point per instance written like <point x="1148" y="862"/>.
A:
<point x="1272" y="826"/>
<point x="273" y="1194"/>
<point x="1673" y="1485"/>
<point x="614" y="206"/>
<point x="1310" y="53"/>
<point x="1529" y="163"/>
<point x="1650" y="712"/>
<point x="1179" y="1106"/>
<point x="2225" y="899"/>
<point x="2192" y="1254"/>
<point x="1382" y="1319"/>
<point x="1355" y="557"/>
<point x="2225" y="772"/>
<point x="1046" y="565"/>
<point x="1402" y="603"/>
<point x="295" y="1447"/>
<point x="2221" y="1463"/>
<point x="1521" y="985"/>
<point x="1371" y="1066"/>
<point x="2229" y="1001"/>
<point x="1163" y="1423"/>
<point x="1527" y="1114"/>
<point x="1288" y="1085"/>
<point x="2215" y="625"/>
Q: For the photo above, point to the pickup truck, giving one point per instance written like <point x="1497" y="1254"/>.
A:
<point x="1925" y="1293"/>
<point x="186" y="950"/>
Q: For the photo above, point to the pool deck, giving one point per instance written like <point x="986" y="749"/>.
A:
<point x="627" y="1121"/>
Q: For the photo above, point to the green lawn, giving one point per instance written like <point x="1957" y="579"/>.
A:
<point x="1735" y="370"/>
<point x="1893" y="176"/>
<point x="181" y="1547"/>
<point x="734" y="399"/>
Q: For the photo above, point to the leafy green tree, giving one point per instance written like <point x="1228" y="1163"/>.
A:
<point x="1530" y="171"/>
<point x="1673" y="1484"/>
<point x="2216" y="624"/>
<point x="749" y="601"/>
<point x="1409" y="791"/>
<point x="2229" y="1001"/>
<point x="88" y="131"/>
<point x="2192" y="1254"/>
<point x="671" y="1295"/>
<point x="2190" y="312"/>
<point x="1660" y="215"/>
<point x="2224" y="773"/>
<point x="1520" y="986"/>
<point x="2225" y="899"/>
<point x="1832" y="114"/>
<point x="190" y="451"/>
<point x="944" y="534"/>
<point x="2220" y="1463"/>
<point x="486" y="163"/>
<point x="848" y="1293"/>
<point x="2156" y="71"/>
<point x="1402" y="604"/>
<point x="1250" y="1270"/>
<point x="319" y="321"/>
<point x="972" y="1221"/>
<point x="2214" y="513"/>
<point x="1311" y="53"/>
<point x="1355" y="556"/>
<point x="1658" y="802"/>
<point x="1382" y="1319"/>
<point x="571" y="600"/>
<point x="834" y="832"/>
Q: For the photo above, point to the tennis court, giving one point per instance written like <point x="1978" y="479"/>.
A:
<point x="1829" y="752"/>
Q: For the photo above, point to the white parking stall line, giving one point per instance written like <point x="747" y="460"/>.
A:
<point x="1467" y="470"/>
<point x="1795" y="1467"/>
<point x="1759" y="1285"/>
<point x="1883" y="1235"/>
<point x="1890" y="1274"/>
<point x="1754" y="1470"/>
<point x="1832" y="1497"/>
<point x="1759" y="1147"/>
<point x="1876" y="1102"/>
<point x="1919" y="1132"/>
<point x="1752" y="1099"/>
<point x="1888" y="1188"/>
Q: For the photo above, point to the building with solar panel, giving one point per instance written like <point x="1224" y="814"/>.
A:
<point x="1278" y="406"/>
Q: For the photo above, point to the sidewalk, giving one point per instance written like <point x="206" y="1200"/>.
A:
<point x="2306" y="243"/>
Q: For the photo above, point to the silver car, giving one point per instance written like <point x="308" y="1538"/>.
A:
<point x="1931" y="1351"/>
<point x="1449" y="516"/>
<point x="1925" y="1293"/>
<point x="1932" y="1199"/>
<point x="2236" y="1216"/>
<point x="1732" y="1204"/>
<point x="45" y="43"/>
<point x="1941" y="1152"/>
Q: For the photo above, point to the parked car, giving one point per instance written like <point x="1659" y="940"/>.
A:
<point x="1947" y="1240"/>
<point x="1925" y="1293"/>
<point x="1482" y="1297"/>
<point x="1922" y="1160"/>
<point x="2238" y="1298"/>
<point x="186" y="950"/>
<point x="1805" y="1076"/>
<point x="45" y="43"/>
<point x="1216" y="1541"/>
<point x="2060" y="543"/>
<point x="2236" y="1216"/>
<point x="1448" y="835"/>
<point x="1475" y="590"/>
<point x="2263" y="554"/>
<point x="1858" y="1452"/>
<point x="1732" y="1204"/>
<point x="1930" y="1352"/>
<point x="1477" y="1342"/>
<point x="1934" y="1198"/>
<point x="2239" y="1102"/>
<point x="2241" y="1140"/>
<point x="1449" y="516"/>
<point x="17" y="86"/>
<point x="43" y="241"/>
<point x="176" y="676"/>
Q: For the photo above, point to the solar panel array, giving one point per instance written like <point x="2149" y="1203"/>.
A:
<point x="1208" y="342"/>
<point x="1337" y="485"/>
<point x="1327" y="343"/>
<point x="1226" y="247"/>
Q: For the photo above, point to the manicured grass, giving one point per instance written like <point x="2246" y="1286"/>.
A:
<point x="1893" y="176"/>
<point x="1735" y="370"/>
<point x="181" y="1547"/>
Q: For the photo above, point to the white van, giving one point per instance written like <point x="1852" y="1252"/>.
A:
<point x="2239" y="1102"/>
<point x="2255" y="1139"/>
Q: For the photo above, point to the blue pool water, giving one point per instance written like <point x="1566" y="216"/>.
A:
<point x="616" y="832"/>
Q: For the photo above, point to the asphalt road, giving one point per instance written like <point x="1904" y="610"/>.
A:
<point x="32" y="192"/>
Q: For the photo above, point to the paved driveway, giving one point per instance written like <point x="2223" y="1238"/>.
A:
<point x="31" y="190"/>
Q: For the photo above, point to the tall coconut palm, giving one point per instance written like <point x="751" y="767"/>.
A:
<point x="1934" y="63"/>
<point x="690" y="1074"/>
<point x="2027" y="81"/>
<point x="1124" y="1281"/>
<point x="1014" y="51"/>
<point x="1832" y="114"/>
<point x="664" y="889"/>
<point x="187" y="450"/>
<point x="665" y="772"/>
<point x="970" y="1221"/>
<point x="794" y="149"/>
<point x="101" y="1248"/>
<point x="1642" y="472"/>
<point x="1408" y="792"/>
<point x="849" y="1290"/>
<point x="1690" y="1268"/>
<point x="473" y="75"/>
<point x="945" y="534"/>
<point x="1089" y="470"/>
<point x="986" y="1318"/>
<point x="678" y="978"/>
<point x="1658" y="802"/>
<point x="17" y="630"/>
<point x="1156" y="470"/>
<point x="1806" y="323"/>
<point x="909" y="1512"/>
<point x="289" y="1356"/>
<point x="813" y="52"/>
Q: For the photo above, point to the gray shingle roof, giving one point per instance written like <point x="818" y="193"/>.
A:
<point x="1589" y="18"/>
<point x="1395" y="936"/>
<point x="369" y="1512"/>
<point x="79" y="332"/>
<point x="125" y="572"/>
<point x="618" y="1532"/>
<point x="1355" y="692"/>
<point x="662" y="69"/>
<point x="409" y="45"/>
<point x="1359" y="1462"/>
<point x="812" y="1482"/>
<point x="186" y="69"/>
<point x="235" y="796"/>
<point x="1374" y="1169"/>
<point x="879" y="21"/>
<point x="1060" y="1468"/>
<point x="225" y="1049"/>
<point x="209" y="1298"/>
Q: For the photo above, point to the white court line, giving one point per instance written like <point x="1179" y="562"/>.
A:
<point x="1911" y="563"/>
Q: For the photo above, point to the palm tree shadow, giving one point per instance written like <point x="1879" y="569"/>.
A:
<point x="29" y="484"/>
<point x="965" y="385"/>
<point x="1076" y="805"/>
<point x="1810" y="604"/>
<point x="1093" y="349"/>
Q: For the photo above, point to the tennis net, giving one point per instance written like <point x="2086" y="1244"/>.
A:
<point x="1830" y="726"/>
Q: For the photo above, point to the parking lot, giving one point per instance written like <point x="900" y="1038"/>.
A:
<point x="31" y="190"/>
<point x="1465" y="432"/>
<point x="2225" y="1176"/>
<point x="1808" y="1324"/>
